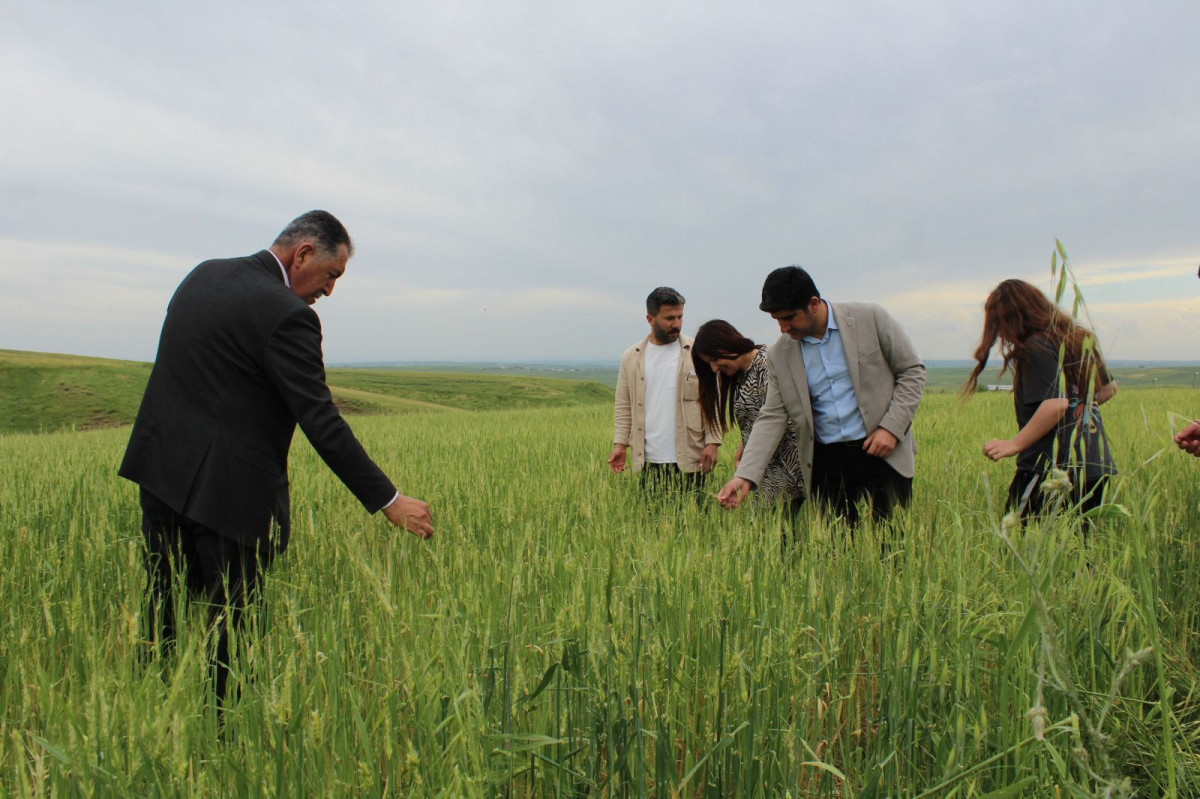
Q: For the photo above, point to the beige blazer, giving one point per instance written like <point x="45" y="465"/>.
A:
<point x="888" y="378"/>
<point x="629" y="413"/>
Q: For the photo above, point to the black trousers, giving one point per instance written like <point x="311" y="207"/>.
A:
<point x="669" y="477"/>
<point x="216" y="571"/>
<point x="843" y="474"/>
<point x="1026" y="497"/>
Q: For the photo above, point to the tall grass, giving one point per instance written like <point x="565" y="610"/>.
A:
<point x="564" y="635"/>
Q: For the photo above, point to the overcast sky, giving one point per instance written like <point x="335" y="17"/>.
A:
<point x="518" y="176"/>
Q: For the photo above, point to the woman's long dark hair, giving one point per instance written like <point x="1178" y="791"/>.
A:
<point x="718" y="339"/>
<point x="1017" y="311"/>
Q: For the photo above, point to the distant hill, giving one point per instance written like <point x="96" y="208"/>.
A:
<point x="48" y="392"/>
<point x="44" y="392"/>
<point x="940" y="375"/>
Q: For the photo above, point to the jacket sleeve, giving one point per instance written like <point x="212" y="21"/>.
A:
<point x="712" y="437"/>
<point x="909" y="372"/>
<point x="294" y="363"/>
<point x="623" y="406"/>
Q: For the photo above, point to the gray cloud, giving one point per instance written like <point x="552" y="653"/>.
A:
<point x="553" y="162"/>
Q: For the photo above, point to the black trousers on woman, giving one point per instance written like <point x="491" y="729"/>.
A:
<point x="1025" y="494"/>
<point x="216" y="571"/>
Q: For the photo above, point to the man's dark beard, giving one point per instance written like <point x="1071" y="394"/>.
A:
<point x="662" y="336"/>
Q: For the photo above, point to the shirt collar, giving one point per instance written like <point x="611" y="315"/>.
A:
<point x="830" y="326"/>
<point x="286" y="282"/>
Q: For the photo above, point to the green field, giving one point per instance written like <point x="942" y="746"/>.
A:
<point x="45" y="392"/>
<point x="562" y="635"/>
<point x="938" y="378"/>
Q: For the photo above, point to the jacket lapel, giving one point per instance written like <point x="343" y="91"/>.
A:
<point x="849" y="335"/>
<point x="799" y="375"/>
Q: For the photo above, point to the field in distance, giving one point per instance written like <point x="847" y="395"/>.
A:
<point x="44" y="392"/>
<point x="49" y="392"/>
<point x="940" y="376"/>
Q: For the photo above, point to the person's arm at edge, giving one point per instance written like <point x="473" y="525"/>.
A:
<point x="622" y="416"/>
<point x="1188" y="439"/>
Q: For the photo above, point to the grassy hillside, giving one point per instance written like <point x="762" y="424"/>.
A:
<point x="47" y="392"/>
<point x="472" y="392"/>
<point x="43" y="392"/>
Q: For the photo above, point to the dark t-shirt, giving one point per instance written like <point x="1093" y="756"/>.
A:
<point x="1079" y="440"/>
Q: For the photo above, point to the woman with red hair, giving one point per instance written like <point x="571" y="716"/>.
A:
<point x="1059" y="382"/>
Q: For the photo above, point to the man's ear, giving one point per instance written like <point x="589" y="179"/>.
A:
<point x="303" y="252"/>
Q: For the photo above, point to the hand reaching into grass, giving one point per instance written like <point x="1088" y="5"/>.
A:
<point x="732" y="494"/>
<point x="1188" y="439"/>
<point x="411" y="514"/>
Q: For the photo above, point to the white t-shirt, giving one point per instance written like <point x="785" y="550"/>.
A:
<point x="662" y="386"/>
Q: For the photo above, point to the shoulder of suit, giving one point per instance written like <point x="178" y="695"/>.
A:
<point x="856" y="306"/>
<point x="850" y="311"/>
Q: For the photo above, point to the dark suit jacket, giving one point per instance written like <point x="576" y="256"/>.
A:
<point x="239" y="365"/>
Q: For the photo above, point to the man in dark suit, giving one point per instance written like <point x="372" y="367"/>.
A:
<point x="239" y="365"/>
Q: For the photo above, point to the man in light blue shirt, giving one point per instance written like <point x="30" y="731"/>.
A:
<point x="835" y="408"/>
<point x="847" y="377"/>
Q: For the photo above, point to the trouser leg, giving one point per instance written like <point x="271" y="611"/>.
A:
<point x="843" y="474"/>
<point x="164" y="560"/>
<point x="887" y="489"/>
<point x="218" y="571"/>
<point x="668" y="477"/>
<point x="229" y="575"/>
<point x="1024" y="494"/>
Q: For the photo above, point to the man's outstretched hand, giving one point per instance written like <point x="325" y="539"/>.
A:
<point x="733" y="492"/>
<point x="411" y="514"/>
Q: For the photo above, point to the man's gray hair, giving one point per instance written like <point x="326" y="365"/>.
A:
<point x="321" y="227"/>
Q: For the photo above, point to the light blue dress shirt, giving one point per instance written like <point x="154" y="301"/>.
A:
<point x="834" y="406"/>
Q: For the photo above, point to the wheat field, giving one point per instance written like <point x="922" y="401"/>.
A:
<point x="565" y="635"/>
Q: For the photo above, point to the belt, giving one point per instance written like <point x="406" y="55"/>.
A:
<point x="856" y="443"/>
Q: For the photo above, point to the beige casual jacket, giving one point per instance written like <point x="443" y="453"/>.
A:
<point x="888" y="379"/>
<point x="629" y="415"/>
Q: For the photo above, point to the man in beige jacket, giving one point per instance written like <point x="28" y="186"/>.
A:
<point x="657" y="411"/>
<point x="846" y="375"/>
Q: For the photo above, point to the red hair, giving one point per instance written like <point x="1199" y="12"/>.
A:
<point x="1017" y="311"/>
